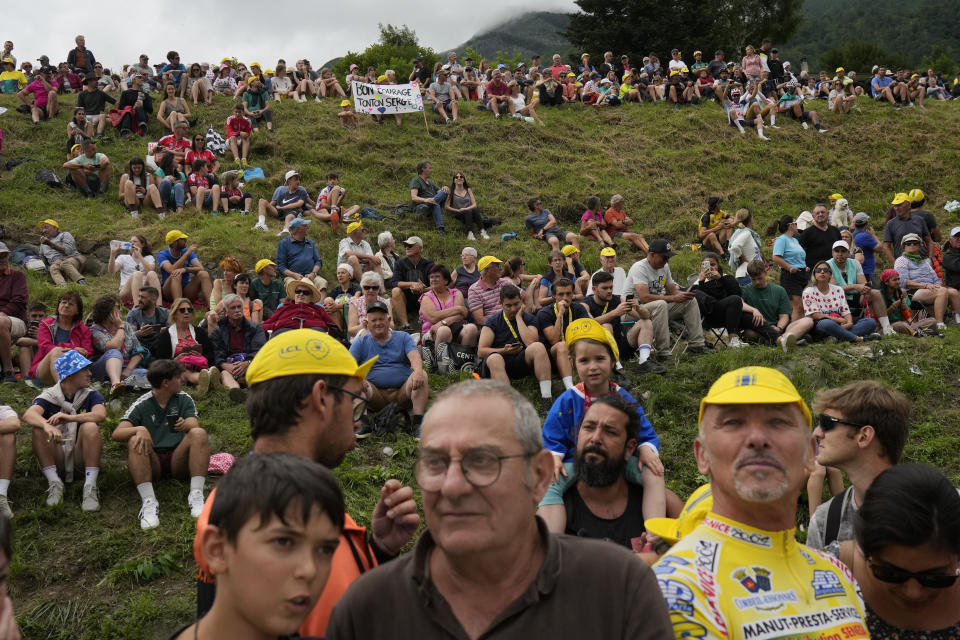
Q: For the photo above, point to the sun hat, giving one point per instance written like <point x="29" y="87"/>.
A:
<point x="69" y="363"/>
<point x="304" y="352"/>
<point x="293" y="283"/>
<point x="590" y="328"/>
<point x="754" y="385"/>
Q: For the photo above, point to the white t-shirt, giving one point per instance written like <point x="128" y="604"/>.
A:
<point x="619" y="282"/>
<point x="744" y="245"/>
<point x="347" y="244"/>
<point x="657" y="280"/>
<point x="129" y="266"/>
<point x="676" y="65"/>
<point x="519" y="102"/>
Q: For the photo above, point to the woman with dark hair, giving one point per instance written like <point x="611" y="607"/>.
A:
<point x="897" y="302"/>
<point x="78" y="128"/>
<point x="195" y="85"/>
<point x="138" y="268"/>
<point x="721" y="303"/>
<point x="172" y="109"/>
<point x="826" y="304"/>
<point x="443" y="314"/>
<point x="252" y="309"/>
<point x="515" y="270"/>
<point x="58" y="334"/>
<point x="907" y="555"/>
<point x="463" y="205"/>
<point x="230" y="267"/>
<point x="169" y="180"/>
<point x="792" y="260"/>
<point x="117" y="353"/>
<point x="557" y="270"/>
<point x="136" y="187"/>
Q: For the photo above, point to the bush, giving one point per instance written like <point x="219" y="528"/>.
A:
<point x="396" y="50"/>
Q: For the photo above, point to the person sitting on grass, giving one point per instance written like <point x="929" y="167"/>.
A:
<point x="463" y="205"/>
<point x="716" y="227"/>
<point x="330" y="204"/>
<point x="356" y="251"/>
<point x="519" y="107"/>
<point x="238" y="135"/>
<point x="617" y="223"/>
<point x="510" y="349"/>
<point x="177" y="142"/>
<point x="594" y="353"/>
<point x="722" y="305"/>
<point x="265" y="498"/>
<point x="65" y="420"/>
<point x="542" y="225"/>
<point x="133" y="108"/>
<point x="256" y="105"/>
<point x="90" y="171"/>
<point x="328" y="86"/>
<point x="224" y="83"/>
<point x="117" y="353"/>
<point x="188" y="345"/>
<point x="232" y="196"/>
<point x="592" y="225"/>
<point x="302" y="310"/>
<point x="203" y="195"/>
<point x="181" y="272"/>
<point x="169" y="180"/>
<point x="199" y="151"/>
<point x="609" y="309"/>
<point x="136" y="187"/>
<point x="266" y="287"/>
<point x="78" y="128"/>
<point x="443" y="103"/>
<point x="252" y="309"/>
<point x="497" y="94"/>
<point x="58" y="249"/>
<point x="826" y="305"/>
<point x="848" y="275"/>
<point x="164" y="438"/>
<point x="297" y="255"/>
<point x="918" y="279"/>
<point x="282" y="85"/>
<point x="289" y="199"/>
<point x="412" y="279"/>
<point x="172" y="109"/>
<point x="772" y="301"/>
<point x="558" y="269"/>
<point x="427" y="197"/>
<point x="740" y="115"/>
<point x="444" y="319"/>
<point x="44" y="89"/>
<point x="347" y="116"/>
<point x="553" y="320"/>
<point x="230" y="267"/>
<point x="336" y="303"/>
<point x="793" y="106"/>
<point x="236" y="341"/>
<point x="371" y="284"/>
<point x="27" y="343"/>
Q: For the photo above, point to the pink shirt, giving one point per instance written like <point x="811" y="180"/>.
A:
<point x="752" y="65"/>
<point x="40" y="93"/>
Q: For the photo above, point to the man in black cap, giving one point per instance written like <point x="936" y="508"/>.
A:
<point x="716" y="226"/>
<point x="420" y="74"/>
<point x="94" y="100"/>
<point x="717" y="65"/>
<point x="144" y="69"/>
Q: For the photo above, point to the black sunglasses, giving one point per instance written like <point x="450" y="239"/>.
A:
<point x="827" y="423"/>
<point x="371" y="287"/>
<point x="910" y="242"/>
<point x="896" y="575"/>
<point x="184" y="310"/>
<point x="302" y="292"/>
<point x="821" y="270"/>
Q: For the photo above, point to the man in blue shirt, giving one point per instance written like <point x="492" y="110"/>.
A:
<point x="289" y="200"/>
<point x="883" y="87"/>
<point x="172" y="71"/>
<point x="297" y="255"/>
<point x="542" y="225"/>
<point x="397" y="375"/>
<point x="182" y="275"/>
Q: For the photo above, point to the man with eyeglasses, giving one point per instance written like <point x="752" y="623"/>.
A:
<point x="305" y="399"/>
<point x="235" y="342"/>
<point x="486" y="565"/>
<point x="861" y="431"/>
<point x="741" y="573"/>
<point x="397" y="375"/>
<point x="897" y="228"/>
<point x="356" y="251"/>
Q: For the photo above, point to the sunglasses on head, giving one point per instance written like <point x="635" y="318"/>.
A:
<point x="829" y="422"/>
<point x="896" y="575"/>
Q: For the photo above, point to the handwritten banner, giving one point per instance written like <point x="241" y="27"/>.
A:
<point x="387" y="98"/>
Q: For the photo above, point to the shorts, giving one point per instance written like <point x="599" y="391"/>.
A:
<point x="445" y="103"/>
<point x="794" y="283"/>
<point x="515" y="365"/>
<point x="379" y="398"/>
<point x="748" y="123"/>
<point x="18" y="328"/>
<point x="412" y="300"/>
<point x="804" y="116"/>
<point x="208" y="200"/>
<point x="166" y="461"/>
<point x="556" y="232"/>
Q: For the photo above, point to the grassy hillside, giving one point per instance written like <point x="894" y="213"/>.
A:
<point x="92" y="576"/>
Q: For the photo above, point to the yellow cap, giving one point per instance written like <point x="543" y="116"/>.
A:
<point x="590" y="328"/>
<point x="344" y="103"/>
<point x="610" y="252"/>
<point x="674" y="73"/>
<point x="916" y="75"/>
<point x="269" y="72"/>
<point x="583" y="55"/>
<point x="835" y="196"/>
<point x="263" y="264"/>
<point x="698" y="53"/>
<point x="225" y="60"/>
<point x="304" y="352"/>
<point x="753" y="385"/>
<point x="900" y="198"/>
<point x="52" y="223"/>
<point x="486" y="261"/>
<point x="625" y="76"/>
<point x="685" y="70"/>
<point x="698" y="505"/>
<point x="916" y="195"/>
<point x="174" y="235"/>
<point x="353" y="226"/>
<point x="571" y="75"/>
<point x="255" y="64"/>
<point x="382" y="78"/>
<point x="840" y="70"/>
<point x="568" y="250"/>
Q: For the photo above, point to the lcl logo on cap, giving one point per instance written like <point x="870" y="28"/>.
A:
<point x="318" y="349"/>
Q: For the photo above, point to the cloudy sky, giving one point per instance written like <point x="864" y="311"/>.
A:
<point x="262" y="31"/>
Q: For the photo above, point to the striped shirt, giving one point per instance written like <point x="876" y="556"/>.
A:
<point x="487" y="299"/>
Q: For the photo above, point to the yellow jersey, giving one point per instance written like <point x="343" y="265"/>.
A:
<point x="727" y="580"/>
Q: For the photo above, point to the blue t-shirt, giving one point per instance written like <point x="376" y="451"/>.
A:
<point x="93" y="399"/>
<point x="177" y="72"/>
<point x="283" y="196"/>
<point x="878" y="84"/>
<point x="167" y="256"/>
<point x="61" y="336"/>
<point x="393" y="368"/>
<point x="537" y="221"/>
<point x="790" y="250"/>
<point x="867" y="244"/>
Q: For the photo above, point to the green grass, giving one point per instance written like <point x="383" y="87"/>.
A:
<point x="92" y="576"/>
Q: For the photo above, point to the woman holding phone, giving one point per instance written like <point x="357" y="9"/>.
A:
<point x="181" y="341"/>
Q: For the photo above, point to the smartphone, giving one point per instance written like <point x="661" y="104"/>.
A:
<point x="172" y="420"/>
<point x="705" y="265"/>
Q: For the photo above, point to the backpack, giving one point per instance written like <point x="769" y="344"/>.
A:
<point x="402" y="209"/>
<point x="49" y="178"/>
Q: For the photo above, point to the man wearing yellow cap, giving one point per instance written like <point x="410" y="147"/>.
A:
<point x="59" y="250"/>
<point x="483" y="296"/>
<point x="356" y="251"/>
<point x="902" y="223"/>
<point x="741" y="573"/>
<point x="266" y="287"/>
<point x="181" y="272"/>
<point x="917" y="199"/>
<point x="305" y="399"/>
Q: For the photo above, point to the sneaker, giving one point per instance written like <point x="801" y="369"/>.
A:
<point x="195" y="500"/>
<point x="804" y="125"/>
<point x="444" y="361"/>
<point x="366" y="428"/>
<point x="873" y="336"/>
<point x="650" y="365"/>
<point x="260" y="226"/>
<point x="82" y="282"/>
<point x="822" y="130"/>
<point x="33" y="383"/>
<point x="470" y="236"/>
<point x="773" y="126"/>
<point x="545" y="405"/>
<point x="5" y="507"/>
<point x="203" y="383"/>
<point x="9" y="376"/>
<point x="149" y="514"/>
<point x="215" y="379"/>
<point x="238" y="395"/>
<point x="484" y="234"/>
<point x="91" y="498"/>
<point x="788" y="342"/>
<point x="735" y="343"/>
<point x="54" y="493"/>
<point x="283" y="232"/>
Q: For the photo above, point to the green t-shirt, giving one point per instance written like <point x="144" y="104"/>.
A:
<point x="147" y="412"/>
<point x="269" y="294"/>
<point x="425" y="188"/>
<point x="771" y="301"/>
<point x="256" y="100"/>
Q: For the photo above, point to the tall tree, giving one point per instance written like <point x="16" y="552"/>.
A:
<point x="637" y="27"/>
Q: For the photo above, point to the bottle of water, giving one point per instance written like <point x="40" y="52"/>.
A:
<point x="122" y="245"/>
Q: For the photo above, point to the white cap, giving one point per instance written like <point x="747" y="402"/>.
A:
<point x="290" y="174"/>
<point x="954" y="231"/>
<point x="842" y="244"/>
